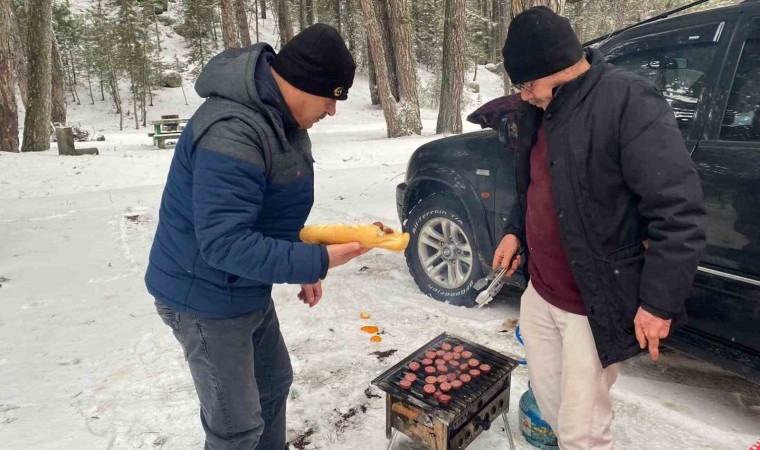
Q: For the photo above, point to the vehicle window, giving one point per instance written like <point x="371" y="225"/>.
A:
<point x="679" y="71"/>
<point x="741" y="120"/>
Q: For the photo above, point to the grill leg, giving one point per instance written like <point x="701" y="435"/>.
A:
<point x="393" y="439"/>
<point x="508" y="430"/>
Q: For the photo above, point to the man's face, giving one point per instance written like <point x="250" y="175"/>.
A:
<point x="312" y="108"/>
<point x="537" y="92"/>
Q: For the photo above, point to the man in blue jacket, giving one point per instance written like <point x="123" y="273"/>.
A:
<point x="240" y="188"/>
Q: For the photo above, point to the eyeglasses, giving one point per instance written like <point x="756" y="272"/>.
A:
<point x="528" y="86"/>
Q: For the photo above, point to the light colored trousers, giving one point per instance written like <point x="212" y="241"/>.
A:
<point x="571" y="387"/>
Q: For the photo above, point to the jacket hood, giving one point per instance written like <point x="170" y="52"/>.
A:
<point x="230" y="74"/>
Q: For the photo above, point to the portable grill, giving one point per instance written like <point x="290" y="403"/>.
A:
<point x="469" y="410"/>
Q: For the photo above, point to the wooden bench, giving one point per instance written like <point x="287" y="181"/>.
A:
<point x="169" y="127"/>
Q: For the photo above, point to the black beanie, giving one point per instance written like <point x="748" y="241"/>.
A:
<point x="539" y="43"/>
<point x="317" y="61"/>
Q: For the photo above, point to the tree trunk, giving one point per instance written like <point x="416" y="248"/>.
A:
<point x="452" y="68"/>
<point x="302" y="15"/>
<point x="256" y="16"/>
<point x="229" y="33"/>
<point x="499" y="29"/>
<point x="213" y="27"/>
<point x="309" y="12"/>
<point x="373" y="94"/>
<point x="89" y="84"/>
<point x="72" y="80"/>
<point x="336" y="11"/>
<point x="58" y="94"/>
<point x="183" y="92"/>
<point x="242" y="23"/>
<point x="263" y="8"/>
<point x="8" y="108"/>
<point x="102" y="91"/>
<point x="64" y="138"/>
<point x="350" y="25"/>
<point x="383" y="80"/>
<point x="134" y="99"/>
<point x="39" y="40"/>
<point x="149" y="11"/>
<point x="283" y="22"/>
<point x="401" y="30"/>
<point x="20" y="65"/>
<point x="383" y="20"/>
<point x="158" y="33"/>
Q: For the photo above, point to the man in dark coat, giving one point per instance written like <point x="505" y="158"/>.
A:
<point x="609" y="213"/>
<point x="239" y="190"/>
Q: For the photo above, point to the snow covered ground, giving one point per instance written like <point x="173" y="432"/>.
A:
<point x="85" y="362"/>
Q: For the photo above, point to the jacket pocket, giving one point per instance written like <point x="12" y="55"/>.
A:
<point x="623" y="269"/>
<point x="237" y="282"/>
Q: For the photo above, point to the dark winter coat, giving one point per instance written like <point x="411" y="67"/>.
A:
<point x="621" y="175"/>
<point x="240" y="187"/>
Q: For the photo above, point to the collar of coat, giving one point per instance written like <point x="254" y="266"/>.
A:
<point x="568" y="95"/>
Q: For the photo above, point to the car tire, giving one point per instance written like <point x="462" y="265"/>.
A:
<point x="448" y="270"/>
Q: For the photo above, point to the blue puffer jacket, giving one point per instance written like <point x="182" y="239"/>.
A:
<point x="240" y="188"/>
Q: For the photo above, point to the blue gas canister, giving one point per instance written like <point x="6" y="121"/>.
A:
<point x="537" y="432"/>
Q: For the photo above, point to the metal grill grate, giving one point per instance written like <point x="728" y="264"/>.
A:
<point x="466" y="400"/>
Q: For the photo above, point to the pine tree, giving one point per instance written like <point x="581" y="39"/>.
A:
<point x="39" y="42"/>
<point x="284" y="22"/>
<point x="58" y="91"/>
<point x="428" y="24"/>
<point x="401" y="32"/>
<point x="104" y="44"/>
<point x="200" y="45"/>
<point x="18" y="33"/>
<point x="242" y="23"/>
<point x="452" y="81"/>
<point x="8" y="108"/>
<point x="392" y="119"/>
<point x="229" y="29"/>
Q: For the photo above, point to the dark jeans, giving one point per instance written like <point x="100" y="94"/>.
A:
<point x="242" y="375"/>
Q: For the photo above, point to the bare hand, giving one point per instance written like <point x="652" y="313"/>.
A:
<point x="504" y="256"/>
<point x="342" y="253"/>
<point x="311" y="293"/>
<point x="649" y="330"/>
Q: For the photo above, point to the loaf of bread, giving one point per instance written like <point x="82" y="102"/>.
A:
<point x="374" y="235"/>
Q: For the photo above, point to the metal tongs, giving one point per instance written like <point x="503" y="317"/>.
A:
<point x="498" y="279"/>
<point x="490" y="292"/>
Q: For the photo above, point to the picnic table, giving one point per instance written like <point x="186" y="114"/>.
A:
<point x="169" y="127"/>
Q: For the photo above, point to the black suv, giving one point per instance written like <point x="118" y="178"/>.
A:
<point x="459" y="190"/>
